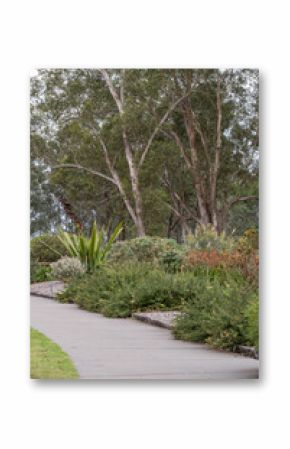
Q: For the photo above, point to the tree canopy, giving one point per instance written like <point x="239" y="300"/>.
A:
<point x="161" y="150"/>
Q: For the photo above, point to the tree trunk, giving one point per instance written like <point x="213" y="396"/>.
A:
<point x="137" y="213"/>
<point x="216" y="165"/>
<point x="134" y="178"/>
<point x="197" y="177"/>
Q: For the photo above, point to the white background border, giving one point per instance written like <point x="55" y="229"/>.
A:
<point x="144" y="34"/>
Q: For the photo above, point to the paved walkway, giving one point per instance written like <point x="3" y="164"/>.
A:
<point x="106" y="348"/>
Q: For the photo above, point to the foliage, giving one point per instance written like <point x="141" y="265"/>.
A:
<point x="72" y="289"/>
<point x="216" y="314"/>
<point x="172" y="259"/>
<point x="252" y="322"/>
<point x="91" y="251"/>
<point x="163" y="291"/>
<point x="102" y="290"/>
<point x="77" y="101"/>
<point x="67" y="268"/>
<point x="248" y="264"/>
<point x="120" y="290"/>
<point x="141" y="249"/>
<point x="40" y="273"/>
<point x="46" y="248"/>
<point x="48" y="360"/>
<point x="45" y="212"/>
<point x="249" y="242"/>
<point x="207" y="238"/>
<point x="211" y="258"/>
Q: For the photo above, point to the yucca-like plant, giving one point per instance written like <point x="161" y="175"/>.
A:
<point x="91" y="251"/>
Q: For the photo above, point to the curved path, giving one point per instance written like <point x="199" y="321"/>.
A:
<point x="110" y="348"/>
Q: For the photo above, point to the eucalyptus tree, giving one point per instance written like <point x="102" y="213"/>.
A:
<point x="215" y="129"/>
<point x="110" y="107"/>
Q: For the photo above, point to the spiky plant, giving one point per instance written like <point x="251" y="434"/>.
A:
<point x="91" y="251"/>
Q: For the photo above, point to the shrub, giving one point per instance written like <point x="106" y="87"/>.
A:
<point x="249" y="242"/>
<point x="216" y="314"/>
<point x="91" y="251"/>
<point x="247" y="264"/>
<point x="119" y="291"/>
<point x="71" y="290"/>
<point x="40" y="273"/>
<point x="163" y="291"/>
<point x="141" y="249"/>
<point x="46" y="248"/>
<point x="252" y="322"/>
<point x="207" y="238"/>
<point x="172" y="260"/>
<point x="211" y="258"/>
<point x="108" y="290"/>
<point x="66" y="268"/>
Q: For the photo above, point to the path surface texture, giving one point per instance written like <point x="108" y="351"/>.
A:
<point x="109" y="348"/>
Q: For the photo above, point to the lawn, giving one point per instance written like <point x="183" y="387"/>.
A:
<point x="48" y="360"/>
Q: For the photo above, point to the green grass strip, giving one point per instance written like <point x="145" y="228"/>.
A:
<point x="48" y="360"/>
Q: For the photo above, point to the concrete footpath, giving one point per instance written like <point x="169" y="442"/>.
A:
<point x="110" y="348"/>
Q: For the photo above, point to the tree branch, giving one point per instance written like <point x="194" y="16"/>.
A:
<point x="80" y="167"/>
<point x="112" y="90"/>
<point x="175" y="196"/>
<point x="156" y="129"/>
<point x="118" y="181"/>
<point x="242" y="198"/>
<point x="183" y="205"/>
<point x="182" y="149"/>
<point x="202" y="138"/>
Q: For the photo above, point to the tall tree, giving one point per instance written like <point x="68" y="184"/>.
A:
<point x="221" y="105"/>
<point x="114" y="118"/>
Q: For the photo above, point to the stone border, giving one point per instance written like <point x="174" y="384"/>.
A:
<point x="47" y="289"/>
<point x="249" y="351"/>
<point x="161" y="319"/>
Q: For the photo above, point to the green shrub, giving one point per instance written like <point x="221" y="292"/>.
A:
<point x="141" y="249"/>
<point x="71" y="291"/>
<point x="163" y="291"/>
<point x="172" y="260"/>
<point x="67" y="268"/>
<point x="40" y="273"/>
<point x="46" y="248"/>
<point x="252" y="322"/>
<point x="120" y="291"/>
<point x="109" y="290"/>
<point x="216" y="314"/>
<point x="207" y="238"/>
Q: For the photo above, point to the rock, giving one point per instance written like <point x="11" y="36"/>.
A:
<point x="47" y="289"/>
<point x="162" y="319"/>
<point x="250" y="351"/>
